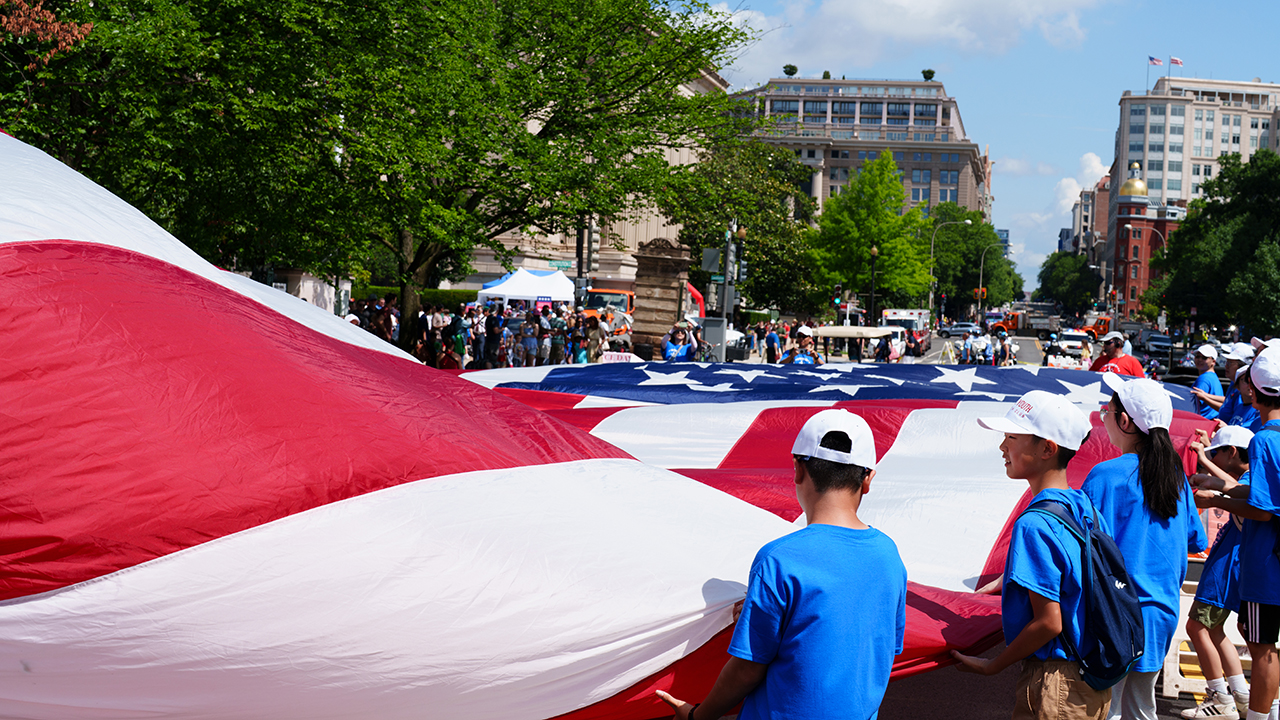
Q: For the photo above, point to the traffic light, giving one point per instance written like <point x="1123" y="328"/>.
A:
<point x="984" y="293"/>
<point x="835" y="300"/>
<point x="593" y="235"/>
<point x="976" y="293"/>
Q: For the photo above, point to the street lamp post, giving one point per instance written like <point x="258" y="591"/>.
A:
<point x="932" y="280"/>
<point x="982" y="262"/>
<point x="875" y="253"/>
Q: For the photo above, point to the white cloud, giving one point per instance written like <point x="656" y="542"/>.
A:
<point x="1021" y="167"/>
<point x="1067" y="192"/>
<point x="843" y="35"/>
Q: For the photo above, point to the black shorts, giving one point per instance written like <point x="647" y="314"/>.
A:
<point x="1259" y="623"/>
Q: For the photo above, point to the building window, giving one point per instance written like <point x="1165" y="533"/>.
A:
<point x="1155" y="129"/>
<point x="898" y="156"/>
<point x="1253" y="142"/>
<point x="921" y="176"/>
<point x="1175" y="129"/>
<point x="1175" y="185"/>
<point x="1235" y="121"/>
<point x="1208" y="115"/>
<point x="1134" y="253"/>
<point x="1208" y="171"/>
<point x="844" y="108"/>
<point x="925" y="109"/>
<point x="1155" y="165"/>
<point x="1175" y="166"/>
<point x="1235" y="139"/>
<point x="898" y="121"/>
<point x="896" y="136"/>
<point x="922" y="157"/>
<point x="840" y="174"/>
<point x="1137" y="109"/>
<point x="814" y="107"/>
<point x="1135" y="147"/>
<point x="1199" y="114"/>
<point x="1195" y="169"/>
<point x="926" y="122"/>
<point x="1195" y="188"/>
<point x="1135" y="130"/>
<point x="835" y="191"/>
<point x="813" y="153"/>
<point x="1155" y="147"/>
<point x="1157" y="110"/>
<point x="1178" y="110"/>
<point x="1253" y="123"/>
<point x="1137" y="234"/>
<point x="869" y="120"/>
<point x="926" y="137"/>
<point x="1133" y="293"/>
<point x="815" y="119"/>
<point x="899" y="109"/>
<point x="872" y="108"/>
<point x="919" y="195"/>
<point x="1175" y="148"/>
<point x="1133" y="272"/>
<point x="784" y="106"/>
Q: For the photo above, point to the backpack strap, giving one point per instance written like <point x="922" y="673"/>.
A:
<point x="1058" y="509"/>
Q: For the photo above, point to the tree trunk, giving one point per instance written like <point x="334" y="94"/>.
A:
<point x="410" y="301"/>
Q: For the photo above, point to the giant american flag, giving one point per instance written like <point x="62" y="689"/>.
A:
<point x="222" y="502"/>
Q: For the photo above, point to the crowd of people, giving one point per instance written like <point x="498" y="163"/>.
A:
<point x="481" y="336"/>
<point x="814" y="638"/>
<point x="986" y="348"/>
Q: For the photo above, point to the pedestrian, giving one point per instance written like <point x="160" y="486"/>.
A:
<point x="1226" y="457"/>
<point x="1258" y="503"/>
<point x="677" y="348"/>
<point x="1207" y="384"/>
<point x="771" y="344"/>
<point x="1041" y="598"/>
<point x="1114" y="359"/>
<point x="803" y="353"/>
<point x="1148" y="503"/>
<point x="825" y="611"/>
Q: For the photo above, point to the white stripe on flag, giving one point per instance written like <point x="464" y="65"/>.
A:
<point x="517" y="594"/>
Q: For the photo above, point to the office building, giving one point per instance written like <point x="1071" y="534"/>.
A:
<point x="1145" y="224"/>
<point x="1003" y="236"/>
<point x="835" y="126"/>
<point x="1064" y="240"/>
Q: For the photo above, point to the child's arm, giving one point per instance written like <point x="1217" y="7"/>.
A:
<point x="738" y="678"/>
<point x="1045" y="625"/>
<point x="1236" y="503"/>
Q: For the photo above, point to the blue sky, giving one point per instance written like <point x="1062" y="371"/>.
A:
<point x="1039" y="81"/>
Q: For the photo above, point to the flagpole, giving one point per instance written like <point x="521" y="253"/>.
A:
<point x="1148" y="85"/>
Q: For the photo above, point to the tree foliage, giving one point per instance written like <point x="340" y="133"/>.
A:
<point x="790" y="70"/>
<point x="304" y="134"/>
<point x="1066" y="278"/>
<point x="758" y="185"/>
<point x="1224" y="260"/>
<point x="867" y="214"/>
<point x="959" y="263"/>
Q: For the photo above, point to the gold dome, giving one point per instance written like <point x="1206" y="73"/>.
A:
<point x="1134" y="185"/>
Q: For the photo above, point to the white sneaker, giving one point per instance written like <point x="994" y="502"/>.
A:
<point x="1242" y="701"/>
<point x="1215" y="705"/>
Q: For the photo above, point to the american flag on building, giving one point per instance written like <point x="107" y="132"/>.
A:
<point x="1152" y="60"/>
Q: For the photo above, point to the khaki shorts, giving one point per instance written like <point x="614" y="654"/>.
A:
<point x="1208" y="615"/>
<point x="1054" y="690"/>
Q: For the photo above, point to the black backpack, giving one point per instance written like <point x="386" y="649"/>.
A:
<point x="1112" y="638"/>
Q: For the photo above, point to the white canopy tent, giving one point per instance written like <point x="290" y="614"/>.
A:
<point x="524" y="285"/>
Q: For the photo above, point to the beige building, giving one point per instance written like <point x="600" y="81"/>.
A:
<point x="836" y="125"/>
<point x="1177" y="131"/>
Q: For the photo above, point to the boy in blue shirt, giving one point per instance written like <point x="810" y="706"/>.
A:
<point x="1257" y="502"/>
<point x="1218" y="594"/>
<point x="1041" y="597"/>
<point x="1207" y="383"/>
<point x="825" y="611"/>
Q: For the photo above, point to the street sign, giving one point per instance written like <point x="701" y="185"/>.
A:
<point x="717" y="278"/>
<point x="711" y="259"/>
<point x="563" y="264"/>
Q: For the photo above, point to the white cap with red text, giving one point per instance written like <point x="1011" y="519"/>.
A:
<point x="1045" y="415"/>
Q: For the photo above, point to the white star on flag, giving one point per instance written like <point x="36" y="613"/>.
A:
<point x="677" y="378"/>
<point x="1088" y="394"/>
<point x="895" y="381"/>
<point x="849" y="390"/>
<point x="722" y="387"/>
<point x="964" y="379"/>
<point x="748" y="375"/>
<point x="1033" y="369"/>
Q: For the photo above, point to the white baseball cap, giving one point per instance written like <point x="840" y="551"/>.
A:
<point x="1239" y="351"/>
<point x="1113" y="335"/>
<point x="1264" y="373"/>
<point x="1208" y="351"/>
<point x="1240" y="373"/>
<point x="805" y="330"/>
<point x="809" y="442"/>
<point x="1144" y="400"/>
<point x="1045" y="415"/>
<point x="1259" y="343"/>
<point x="1230" y="436"/>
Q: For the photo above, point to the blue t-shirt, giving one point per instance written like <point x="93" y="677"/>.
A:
<point x="1044" y="557"/>
<point x="1235" y="411"/>
<point x="1259" y="568"/>
<point x="771" y="340"/>
<point x="1154" y="550"/>
<point x="1208" y="382"/>
<point x="677" y="353"/>
<point x="826" y="610"/>
<point x="1220" y="579"/>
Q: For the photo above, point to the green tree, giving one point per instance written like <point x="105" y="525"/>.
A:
<point x="1224" y="260"/>
<point x="1065" y="277"/>
<point x="758" y="185"/>
<point x="928" y="75"/>
<point x="960" y="264"/>
<point x="868" y="213"/>
<point x="790" y="70"/>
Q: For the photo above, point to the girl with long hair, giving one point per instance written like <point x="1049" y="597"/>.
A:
<point x="1150" y="507"/>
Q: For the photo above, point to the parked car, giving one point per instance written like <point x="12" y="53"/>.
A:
<point x="1073" y="341"/>
<point x="959" y="329"/>
<point x="1157" y="344"/>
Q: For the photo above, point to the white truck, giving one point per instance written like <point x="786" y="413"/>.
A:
<point x="912" y="320"/>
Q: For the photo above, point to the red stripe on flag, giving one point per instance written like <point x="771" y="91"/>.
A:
<point x="148" y="409"/>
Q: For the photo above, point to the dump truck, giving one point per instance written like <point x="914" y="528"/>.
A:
<point x="1027" y="324"/>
